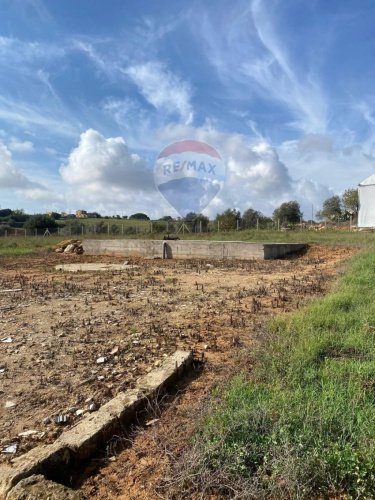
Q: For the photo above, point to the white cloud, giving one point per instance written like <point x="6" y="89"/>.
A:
<point x="120" y="109"/>
<point x="41" y="194"/>
<point x="14" y="181"/>
<point x="102" y="174"/>
<point x="21" y="146"/>
<point x="24" y="115"/>
<point x="256" y="176"/>
<point x="322" y="166"/>
<point x="19" y="51"/>
<point x="10" y="175"/>
<point x="252" y="61"/>
<point x="163" y="89"/>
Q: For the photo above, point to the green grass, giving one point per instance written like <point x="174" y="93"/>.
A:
<point x="303" y="424"/>
<point x="14" y="246"/>
<point x="329" y="237"/>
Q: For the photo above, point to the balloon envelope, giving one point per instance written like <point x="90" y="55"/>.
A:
<point x="189" y="174"/>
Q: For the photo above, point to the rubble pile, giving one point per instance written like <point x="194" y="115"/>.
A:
<point x="69" y="246"/>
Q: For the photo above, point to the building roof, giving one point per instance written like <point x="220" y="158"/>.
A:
<point x="369" y="181"/>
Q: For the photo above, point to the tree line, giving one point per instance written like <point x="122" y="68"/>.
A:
<point x="335" y="209"/>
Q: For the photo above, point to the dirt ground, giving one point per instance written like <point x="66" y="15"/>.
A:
<point x="71" y="341"/>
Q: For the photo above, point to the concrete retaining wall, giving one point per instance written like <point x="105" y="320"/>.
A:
<point x="183" y="249"/>
<point x="55" y="461"/>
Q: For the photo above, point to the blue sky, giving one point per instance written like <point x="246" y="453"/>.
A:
<point x="91" y="91"/>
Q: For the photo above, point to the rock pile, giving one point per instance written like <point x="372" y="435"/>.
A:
<point x="69" y="246"/>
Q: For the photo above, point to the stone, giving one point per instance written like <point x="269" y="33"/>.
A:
<point x="31" y="432"/>
<point x="69" y="248"/>
<point x="93" y="407"/>
<point x="37" y="487"/>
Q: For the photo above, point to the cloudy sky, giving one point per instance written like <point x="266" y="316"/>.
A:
<point x="91" y="91"/>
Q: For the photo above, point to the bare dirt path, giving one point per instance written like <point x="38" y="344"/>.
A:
<point x="216" y="310"/>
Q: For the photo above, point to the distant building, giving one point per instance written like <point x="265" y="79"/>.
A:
<point x="81" y="214"/>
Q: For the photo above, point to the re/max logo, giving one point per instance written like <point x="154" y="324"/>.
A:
<point x="179" y="166"/>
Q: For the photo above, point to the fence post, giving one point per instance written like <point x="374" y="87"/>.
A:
<point x="257" y="224"/>
<point x="36" y="232"/>
<point x="218" y="226"/>
<point x="82" y="229"/>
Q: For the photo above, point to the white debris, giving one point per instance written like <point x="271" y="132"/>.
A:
<point x="152" y="422"/>
<point x="9" y="404"/>
<point x="6" y="340"/>
<point x="101" y="359"/>
<point x="12" y="448"/>
<point x="31" y="432"/>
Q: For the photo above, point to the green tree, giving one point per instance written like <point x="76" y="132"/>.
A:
<point x="252" y="218"/>
<point x="350" y="201"/>
<point x="139" y="216"/>
<point x="189" y="217"/>
<point x="55" y="215"/>
<point x="228" y="219"/>
<point x="332" y="209"/>
<point x="19" y="215"/>
<point x="200" y="223"/>
<point x="288" y="213"/>
<point x="40" y="222"/>
<point x="5" y="212"/>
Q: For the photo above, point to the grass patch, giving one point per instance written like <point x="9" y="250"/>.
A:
<point x="13" y="246"/>
<point x="302" y="425"/>
<point x="328" y="237"/>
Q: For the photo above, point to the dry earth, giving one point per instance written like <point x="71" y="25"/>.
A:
<point x="69" y="342"/>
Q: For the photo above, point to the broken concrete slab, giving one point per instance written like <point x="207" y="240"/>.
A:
<point x="79" y="442"/>
<point x="39" y="460"/>
<point x="94" y="267"/>
<point x="37" y="487"/>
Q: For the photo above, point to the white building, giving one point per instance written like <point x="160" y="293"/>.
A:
<point x="366" y="192"/>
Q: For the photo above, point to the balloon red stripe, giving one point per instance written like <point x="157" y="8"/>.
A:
<point x="190" y="146"/>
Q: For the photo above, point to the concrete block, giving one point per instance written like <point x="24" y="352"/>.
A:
<point x="79" y="442"/>
<point x="40" y="460"/>
<point x="93" y="267"/>
<point x="37" y="487"/>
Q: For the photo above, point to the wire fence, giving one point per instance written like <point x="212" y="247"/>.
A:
<point x="165" y="228"/>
